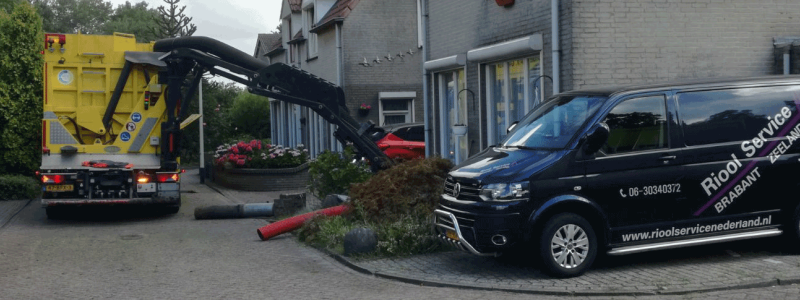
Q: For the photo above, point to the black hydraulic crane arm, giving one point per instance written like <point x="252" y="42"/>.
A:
<point x="278" y="81"/>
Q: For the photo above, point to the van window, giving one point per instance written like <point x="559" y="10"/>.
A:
<point x="416" y="134"/>
<point x="731" y="115"/>
<point x="636" y="124"/>
<point x="553" y="123"/>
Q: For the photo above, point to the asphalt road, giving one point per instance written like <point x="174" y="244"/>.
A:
<point x="135" y="254"/>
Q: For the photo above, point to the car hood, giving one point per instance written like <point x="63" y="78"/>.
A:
<point x="503" y="165"/>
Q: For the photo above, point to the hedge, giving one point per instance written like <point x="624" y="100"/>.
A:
<point x="17" y="187"/>
<point x="21" y="64"/>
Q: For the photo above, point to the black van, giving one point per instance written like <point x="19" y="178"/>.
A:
<point x="626" y="170"/>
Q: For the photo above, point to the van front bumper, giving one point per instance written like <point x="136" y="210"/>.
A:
<point x="477" y="232"/>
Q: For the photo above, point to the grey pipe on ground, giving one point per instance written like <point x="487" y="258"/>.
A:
<point x="249" y="210"/>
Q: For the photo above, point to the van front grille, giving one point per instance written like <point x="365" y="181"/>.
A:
<point x="466" y="191"/>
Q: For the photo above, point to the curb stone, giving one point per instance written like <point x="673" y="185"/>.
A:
<point x="559" y="292"/>
<point x="788" y="280"/>
<point x="741" y="286"/>
<point x="8" y="213"/>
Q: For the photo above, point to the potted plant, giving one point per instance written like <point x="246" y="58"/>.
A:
<point x="364" y="109"/>
<point x="261" y="167"/>
<point x="459" y="129"/>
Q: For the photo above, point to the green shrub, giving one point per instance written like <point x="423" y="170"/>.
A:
<point x="21" y="64"/>
<point x="407" y="235"/>
<point x="410" y="186"/>
<point x="16" y="187"/>
<point x="326" y="232"/>
<point x="396" y="203"/>
<point x="333" y="173"/>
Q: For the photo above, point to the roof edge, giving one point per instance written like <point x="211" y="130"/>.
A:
<point x="325" y="25"/>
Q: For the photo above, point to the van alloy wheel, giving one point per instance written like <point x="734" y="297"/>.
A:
<point x="567" y="245"/>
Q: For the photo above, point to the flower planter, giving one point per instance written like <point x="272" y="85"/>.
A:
<point x="263" y="179"/>
<point x="459" y="130"/>
<point x="363" y="112"/>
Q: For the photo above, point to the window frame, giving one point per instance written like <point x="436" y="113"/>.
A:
<point x="309" y="20"/>
<point x="396" y="96"/>
<point x="667" y="126"/>
<point x="528" y="102"/>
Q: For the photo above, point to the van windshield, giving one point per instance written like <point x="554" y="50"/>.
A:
<point x="552" y="124"/>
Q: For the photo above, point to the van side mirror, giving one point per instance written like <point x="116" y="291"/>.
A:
<point x="596" y="137"/>
<point x="510" y="128"/>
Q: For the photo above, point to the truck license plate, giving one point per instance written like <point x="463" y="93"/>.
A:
<point x="59" y="188"/>
<point x="452" y="234"/>
<point x="145" y="187"/>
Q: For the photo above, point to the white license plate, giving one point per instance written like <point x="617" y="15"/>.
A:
<point x="145" y="187"/>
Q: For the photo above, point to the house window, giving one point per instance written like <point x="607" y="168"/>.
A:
<point x="310" y="21"/>
<point x="513" y="88"/>
<point x="396" y="107"/>
<point x="452" y="99"/>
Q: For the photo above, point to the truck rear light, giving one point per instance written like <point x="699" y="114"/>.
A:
<point x="57" y="179"/>
<point x="142" y="177"/>
<point x="168" y="177"/>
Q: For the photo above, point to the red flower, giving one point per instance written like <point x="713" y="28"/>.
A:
<point x="240" y="162"/>
<point x="235" y="150"/>
<point x="249" y="149"/>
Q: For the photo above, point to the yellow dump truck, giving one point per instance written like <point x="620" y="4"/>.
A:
<point x="108" y="134"/>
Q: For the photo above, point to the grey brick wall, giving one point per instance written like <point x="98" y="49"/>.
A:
<point x="635" y="41"/>
<point x="455" y="27"/>
<point x="377" y="29"/>
<point x="324" y="63"/>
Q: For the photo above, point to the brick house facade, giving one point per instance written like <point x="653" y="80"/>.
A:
<point x="487" y="65"/>
<point x="369" y="48"/>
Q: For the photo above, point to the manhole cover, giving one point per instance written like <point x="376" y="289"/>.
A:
<point x="129" y="237"/>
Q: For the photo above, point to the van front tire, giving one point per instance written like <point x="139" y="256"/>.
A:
<point x="567" y="245"/>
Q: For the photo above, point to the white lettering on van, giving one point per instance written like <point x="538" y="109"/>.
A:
<point x="726" y="194"/>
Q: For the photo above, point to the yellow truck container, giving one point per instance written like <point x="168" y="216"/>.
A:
<point x="102" y="124"/>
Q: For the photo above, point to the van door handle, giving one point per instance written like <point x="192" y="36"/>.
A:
<point x="667" y="157"/>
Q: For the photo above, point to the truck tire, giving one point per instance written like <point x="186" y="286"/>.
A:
<point x="567" y="245"/>
<point x="172" y="209"/>
<point x="54" y="213"/>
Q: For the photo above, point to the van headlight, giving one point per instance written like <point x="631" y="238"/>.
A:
<point x="505" y="191"/>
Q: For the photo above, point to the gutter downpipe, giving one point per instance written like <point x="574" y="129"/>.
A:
<point x="555" y="45"/>
<point x="425" y="98"/>
<point x="340" y="67"/>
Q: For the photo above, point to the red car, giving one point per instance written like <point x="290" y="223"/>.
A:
<point x="406" y="141"/>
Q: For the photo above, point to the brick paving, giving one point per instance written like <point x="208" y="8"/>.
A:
<point x="178" y="257"/>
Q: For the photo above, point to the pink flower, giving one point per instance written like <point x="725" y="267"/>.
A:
<point x="235" y="150"/>
<point x="240" y="162"/>
<point x="249" y="149"/>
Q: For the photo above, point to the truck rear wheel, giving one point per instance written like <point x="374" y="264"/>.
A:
<point x="54" y="212"/>
<point x="567" y="246"/>
<point x="172" y="209"/>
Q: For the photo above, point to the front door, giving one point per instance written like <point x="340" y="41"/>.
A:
<point x="635" y="176"/>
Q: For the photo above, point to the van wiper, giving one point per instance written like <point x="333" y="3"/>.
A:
<point x="531" y="148"/>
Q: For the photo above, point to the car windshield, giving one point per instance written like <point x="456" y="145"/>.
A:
<point x="552" y="124"/>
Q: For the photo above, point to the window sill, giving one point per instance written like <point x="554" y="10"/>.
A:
<point x="312" y="58"/>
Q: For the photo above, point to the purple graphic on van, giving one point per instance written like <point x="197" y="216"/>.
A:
<point x="750" y="170"/>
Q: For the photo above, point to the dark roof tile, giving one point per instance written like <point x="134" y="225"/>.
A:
<point x="341" y="9"/>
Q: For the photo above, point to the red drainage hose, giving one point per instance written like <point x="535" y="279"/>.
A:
<point x="284" y="226"/>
